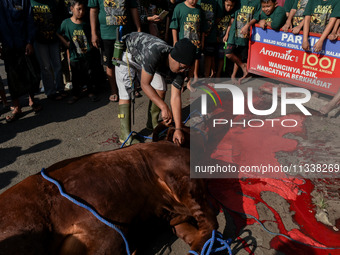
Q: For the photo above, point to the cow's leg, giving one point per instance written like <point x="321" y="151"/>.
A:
<point x="73" y="246"/>
<point x="192" y="235"/>
<point x="105" y="241"/>
<point x="187" y="232"/>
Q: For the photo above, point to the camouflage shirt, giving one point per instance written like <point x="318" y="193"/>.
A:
<point x="151" y="53"/>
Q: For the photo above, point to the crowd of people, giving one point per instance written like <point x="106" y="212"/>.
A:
<point x="69" y="44"/>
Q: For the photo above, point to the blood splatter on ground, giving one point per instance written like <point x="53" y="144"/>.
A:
<point x="250" y="146"/>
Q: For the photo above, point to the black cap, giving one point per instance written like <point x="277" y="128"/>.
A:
<point x="184" y="52"/>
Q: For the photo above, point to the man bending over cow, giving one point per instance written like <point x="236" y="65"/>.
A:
<point x="150" y="59"/>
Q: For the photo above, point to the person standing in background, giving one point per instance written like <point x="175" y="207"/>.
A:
<point x="223" y="29"/>
<point x="111" y="14"/>
<point x="188" y="21"/>
<point x="238" y="41"/>
<point x="5" y="104"/>
<point x="75" y="34"/>
<point x="48" y="15"/>
<point x="64" y="53"/>
<point x="213" y="12"/>
<point x="17" y="33"/>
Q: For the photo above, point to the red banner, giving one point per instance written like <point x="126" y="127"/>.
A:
<point x="279" y="55"/>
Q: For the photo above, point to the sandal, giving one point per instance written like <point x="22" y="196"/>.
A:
<point x="114" y="98"/>
<point x="36" y="107"/>
<point x="13" y="117"/>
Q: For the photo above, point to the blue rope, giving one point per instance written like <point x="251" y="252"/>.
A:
<point x="210" y="242"/>
<point x="258" y="221"/>
<point x="226" y="244"/>
<point x="87" y="208"/>
<point x="161" y="133"/>
<point x="208" y="246"/>
<point x="186" y="120"/>
<point x="253" y="217"/>
<point x="134" y="132"/>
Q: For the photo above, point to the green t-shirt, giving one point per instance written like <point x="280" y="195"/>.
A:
<point x="112" y="14"/>
<point x="321" y="11"/>
<point x="188" y="22"/>
<point x="250" y="9"/>
<point x="212" y="11"/>
<point x="46" y="20"/>
<point x="223" y="23"/>
<point x="288" y="5"/>
<point x="299" y="6"/>
<point x="277" y="18"/>
<point x="79" y="37"/>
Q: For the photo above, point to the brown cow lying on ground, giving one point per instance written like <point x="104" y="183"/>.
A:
<point x="126" y="186"/>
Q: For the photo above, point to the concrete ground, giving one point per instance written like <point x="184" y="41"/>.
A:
<point x="62" y="131"/>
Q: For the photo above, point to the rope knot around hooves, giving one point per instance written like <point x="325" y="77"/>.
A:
<point x="215" y="244"/>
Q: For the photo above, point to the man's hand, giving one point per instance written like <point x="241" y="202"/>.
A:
<point x="318" y="46"/>
<point x="154" y="18"/>
<point x="263" y="24"/>
<point x="95" y="40"/>
<point x="296" y="30"/>
<point x="245" y="29"/>
<point x="305" y="45"/>
<point x="332" y="36"/>
<point x="287" y="26"/>
<point x="166" y="115"/>
<point x="178" y="137"/>
<point x="225" y="38"/>
<point x="29" y="49"/>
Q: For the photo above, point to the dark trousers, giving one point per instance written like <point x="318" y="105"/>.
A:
<point x="23" y="73"/>
<point x="82" y="74"/>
